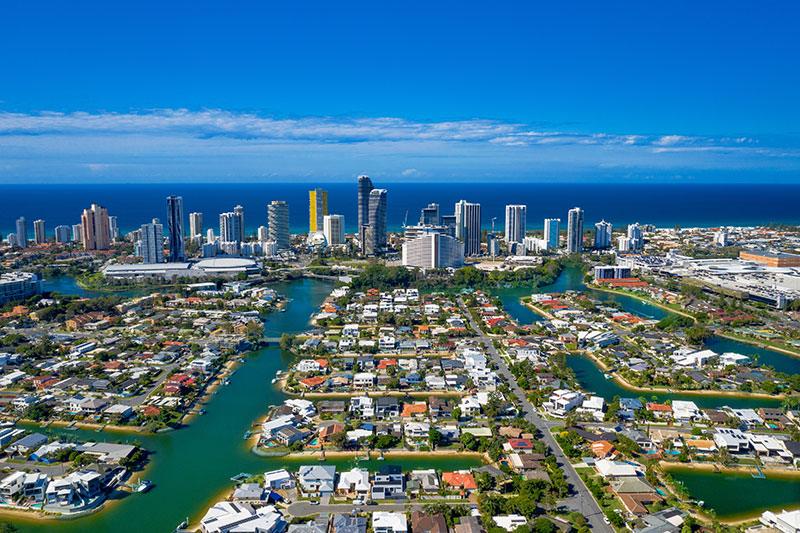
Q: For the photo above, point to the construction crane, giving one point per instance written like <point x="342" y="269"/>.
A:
<point x="405" y="219"/>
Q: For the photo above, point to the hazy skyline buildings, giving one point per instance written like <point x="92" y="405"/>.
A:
<point x="175" y="229"/>
<point x="575" y="230"/>
<point x="551" y="233"/>
<point x="95" y="228"/>
<point x="317" y="209"/>
<point x="468" y="226"/>
<point x="516" y="223"/>
<point x="22" y="232"/>
<point x="602" y="235"/>
<point x="39" y="231"/>
<point x="278" y="222"/>
<point x="151" y="242"/>
<point x="62" y="234"/>
<point x="375" y="229"/>
<point x="195" y="224"/>
<point x="230" y="227"/>
<point x="333" y="229"/>
<point x="430" y="215"/>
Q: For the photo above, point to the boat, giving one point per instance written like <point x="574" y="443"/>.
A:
<point x="247" y="435"/>
<point x="201" y="412"/>
<point x="143" y="486"/>
<point x="241" y="476"/>
<point x="182" y="525"/>
<point x="608" y="376"/>
<point x="274" y="380"/>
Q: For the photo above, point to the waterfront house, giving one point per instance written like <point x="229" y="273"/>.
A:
<point x="364" y="380"/>
<point x="317" y="479"/>
<point x="353" y="483"/>
<point x="439" y="408"/>
<point x="733" y="440"/>
<point x="416" y="430"/>
<point x="614" y="469"/>
<point x="229" y="517"/>
<point x="362" y="406"/>
<point x="278" y="479"/>
<point x="388" y="483"/>
<point x="660" y="411"/>
<point x="73" y="491"/>
<point x="387" y="407"/>
<point x="665" y="521"/>
<point x="28" y="443"/>
<point x="423" y="482"/>
<point x="460" y="479"/>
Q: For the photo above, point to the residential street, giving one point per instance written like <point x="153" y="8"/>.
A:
<point x="582" y="500"/>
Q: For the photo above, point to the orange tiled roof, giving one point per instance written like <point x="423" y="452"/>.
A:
<point x="416" y="408"/>
<point x="464" y="480"/>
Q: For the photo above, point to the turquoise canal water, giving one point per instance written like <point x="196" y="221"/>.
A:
<point x="591" y="378"/>
<point x="191" y="467"/>
<point x="739" y="496"/>
<point x="69" y="285"/>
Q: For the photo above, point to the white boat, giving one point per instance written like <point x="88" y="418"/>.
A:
<point x="143" y="486"/>
<point x="274" y="380"/>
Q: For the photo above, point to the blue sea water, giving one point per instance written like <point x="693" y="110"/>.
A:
<point x="666" y="205"/>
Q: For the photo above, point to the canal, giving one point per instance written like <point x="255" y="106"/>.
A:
<point x="723" y="492"/>
<point x="191" y="467"/>
<point x="591" y="378"/>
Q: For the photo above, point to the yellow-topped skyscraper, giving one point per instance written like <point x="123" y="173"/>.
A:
<point x="317" y="209"/>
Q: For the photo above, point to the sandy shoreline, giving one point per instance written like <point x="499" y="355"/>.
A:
<point x="374" y="454"/>
<point x="738" y="470"/>
<point x="755" y="342"/>
<point x="539" y="311"/>
<point x="111" y="428"/>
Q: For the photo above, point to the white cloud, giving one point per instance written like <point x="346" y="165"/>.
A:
<point x="186" y="144"/>
<point x="212" y="123"/>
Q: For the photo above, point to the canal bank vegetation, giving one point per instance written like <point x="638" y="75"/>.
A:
<point x="379" y="276"/>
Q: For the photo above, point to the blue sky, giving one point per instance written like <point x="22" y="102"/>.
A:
<point x="199" y="91"/>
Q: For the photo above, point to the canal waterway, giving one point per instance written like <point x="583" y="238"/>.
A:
<point x="68" y="285"/>
<point x="191" y="467"/>
<point x="591" y="377"/>
<point x="721" y="492"/>
<point x="735" y="496"/>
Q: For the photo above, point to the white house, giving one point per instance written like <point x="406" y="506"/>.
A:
<point x="364" y="380"/>
<point x="353" y="483"/>
<point x="383" y="522"/>
<point x="563" y="401"/>
<point x="317" y="479"/>
<point x="227" y="517"/>
<point x="278" y="479"/>
<point x="510" y="522"/>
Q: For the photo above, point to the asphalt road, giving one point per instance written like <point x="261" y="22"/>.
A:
<point x="581" y="500"/>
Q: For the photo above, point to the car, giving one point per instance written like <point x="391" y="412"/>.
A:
<point x="606" y="520"/>
<point x="313" y="503"/>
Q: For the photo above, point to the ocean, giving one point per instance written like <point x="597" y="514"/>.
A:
<point x="666" y="205"/>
